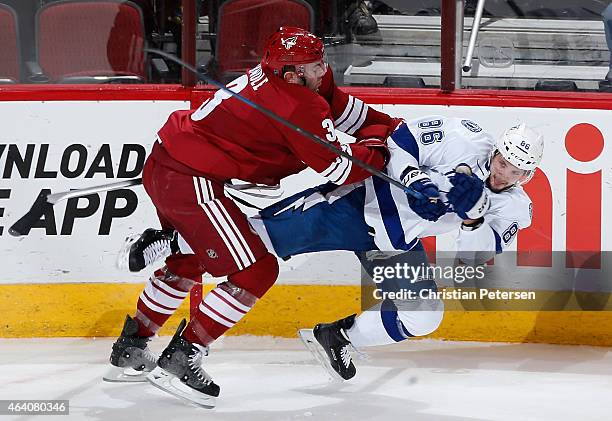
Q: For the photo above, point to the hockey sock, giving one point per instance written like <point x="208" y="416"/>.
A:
<point x="386" y="324"/>
<point x="221" y="309"/>
<point x="165" y="291"/>
<point x="376" y="327"/>
<point x="230" y="301"/>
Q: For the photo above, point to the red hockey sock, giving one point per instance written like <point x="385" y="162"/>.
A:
<point x="165" y="291"/>
<point x="226" y="304"/>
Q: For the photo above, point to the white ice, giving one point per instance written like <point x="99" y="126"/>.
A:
<point x="276" y="379"/>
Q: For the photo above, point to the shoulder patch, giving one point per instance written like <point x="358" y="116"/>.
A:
<point x="471" y="126"/>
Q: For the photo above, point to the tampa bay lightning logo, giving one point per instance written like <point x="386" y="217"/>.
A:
<point x="471" y="126"/>
<point x="510" y="232"/>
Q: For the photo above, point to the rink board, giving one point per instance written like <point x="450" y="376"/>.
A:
<point x="60" y="280"/>
<point x="95" y="310"/>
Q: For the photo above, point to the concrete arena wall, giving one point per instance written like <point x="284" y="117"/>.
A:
<point x="60" y="280"/>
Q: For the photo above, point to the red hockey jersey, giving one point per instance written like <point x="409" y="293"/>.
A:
<point x="226" y="138"/>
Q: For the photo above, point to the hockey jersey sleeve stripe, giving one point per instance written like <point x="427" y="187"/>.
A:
<point x="364" y="112"/>
<point x="498" y="244"/>
<point x="346" y="122"/>
<point x="347" y="111"/>
<point x="390" y="216"/>
<point x="405" y="140"/>
<point x="340" y="169"/>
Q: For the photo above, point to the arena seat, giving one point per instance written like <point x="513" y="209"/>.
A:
<point x="91" y="42"/>
<point x="243" y="26"/>
<point x="9" y="46"/>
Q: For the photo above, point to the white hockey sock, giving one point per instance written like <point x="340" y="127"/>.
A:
<point x="399" y="321"/>
<point x="368" y="330"/>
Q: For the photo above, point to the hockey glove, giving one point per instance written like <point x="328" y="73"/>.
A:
<point x="429" y="208"/>
<point x="377" y="144"/>
<point x="468" y="196"/>
<point x="379" y="131"/>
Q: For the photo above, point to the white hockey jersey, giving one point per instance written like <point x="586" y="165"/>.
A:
<point x="436" y="145"/>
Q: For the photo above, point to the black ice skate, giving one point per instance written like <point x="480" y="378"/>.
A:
<point x="140" y="250"/>
<point x="131" y="358"/>
<point x="179" y="372"/>
<point x="332" y="339"/>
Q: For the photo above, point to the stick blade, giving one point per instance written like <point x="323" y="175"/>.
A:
<point x="27" y="221"/>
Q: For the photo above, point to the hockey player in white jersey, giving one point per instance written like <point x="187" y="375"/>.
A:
<point x="486" y="205"/>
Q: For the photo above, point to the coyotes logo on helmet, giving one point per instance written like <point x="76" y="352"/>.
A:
<point x="289" y="42"/>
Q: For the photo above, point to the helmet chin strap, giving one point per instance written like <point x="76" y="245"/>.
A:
<point x="488" y="183"/>
<point x="299" y="71"/>
<point x="488" y="180"/>
<point x="529" y="175"/>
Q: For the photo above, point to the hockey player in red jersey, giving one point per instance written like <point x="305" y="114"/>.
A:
<point x="195" y="154"/>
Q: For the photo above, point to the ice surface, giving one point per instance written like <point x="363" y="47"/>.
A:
<point x="276" y="379"/>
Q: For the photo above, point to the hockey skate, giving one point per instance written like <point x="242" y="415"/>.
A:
<point x="131" y="358"/>
<point x="179" y="372"/>
<point x="140" y="250"/>
<point x="329" y="344"/>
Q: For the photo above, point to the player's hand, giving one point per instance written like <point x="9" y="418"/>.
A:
<point x="379" y="131"/>
<point x="393" y="123"/>
<point x="376" y="144"/>
<point x="429" y="208"/>
<point x="468" y="196"/>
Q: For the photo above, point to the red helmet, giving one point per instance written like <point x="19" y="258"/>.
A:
<point x="290" y="46"/>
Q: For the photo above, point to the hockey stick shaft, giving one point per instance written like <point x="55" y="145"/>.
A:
<point x="45" y="201"/>
<point x="57" y="197"/>
<point x="279" y="119"/>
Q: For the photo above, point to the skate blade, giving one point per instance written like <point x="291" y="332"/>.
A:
<point x="123" y="257"/>
<point x="317" y="351"/>
<point x="169" y="383"/>
<point x="125" y="375"/>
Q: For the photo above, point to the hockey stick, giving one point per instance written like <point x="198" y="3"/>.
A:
<point x="286" y="123"/>
<point x="45" y="201"/>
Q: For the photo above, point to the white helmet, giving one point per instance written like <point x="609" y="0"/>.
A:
<point x="523" y="147"/>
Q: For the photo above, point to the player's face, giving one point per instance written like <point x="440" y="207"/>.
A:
<point x="313" y="74"/>
<point x="504" y="174"/>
